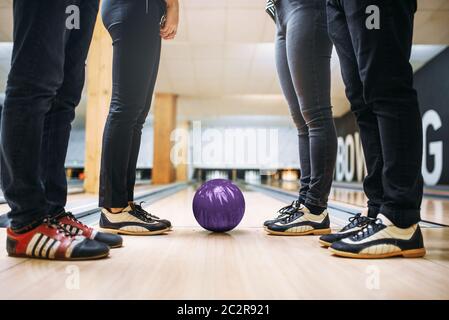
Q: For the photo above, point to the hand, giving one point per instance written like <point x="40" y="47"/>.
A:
<point x="169" y="29"/>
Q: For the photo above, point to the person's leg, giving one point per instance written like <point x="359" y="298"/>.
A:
<point x="309" y="102"/>
<point x="383" y="57"/>
<point x="308" y="53"/>
<point x="366" y="119"/>
<point x="36" y="74"/>
<point x="136" y="43"/>
<point x="57" y="125"/>
<point x="286" y="82"/>
<point x="137" y="132"/>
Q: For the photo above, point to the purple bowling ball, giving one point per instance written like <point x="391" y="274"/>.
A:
<point x="218" y="205"/>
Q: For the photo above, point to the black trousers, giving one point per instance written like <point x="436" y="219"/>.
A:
<point x="379" y="85"/>
<point x="44" y="87"/>
<point x="134" y="28"/>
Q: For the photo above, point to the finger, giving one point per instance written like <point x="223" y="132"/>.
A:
<point x="165" y="29"/>
<point x="170" y="37"/>
<point x="169" y="30"/>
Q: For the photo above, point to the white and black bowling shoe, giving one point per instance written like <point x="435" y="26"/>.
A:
<point x="138" y="207"/>
<point x="131" y="222"/>
<point x="356" y="223"/>
<point x="285" y="212"/>
<point x="301" y="223"/>
<point x="381" y="239"/>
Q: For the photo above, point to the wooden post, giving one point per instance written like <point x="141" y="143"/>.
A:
<point x="164" y="123"/>
<point x="99" y="87"/>
<point x="183" y="150"/>
<point x="234" y="174"/>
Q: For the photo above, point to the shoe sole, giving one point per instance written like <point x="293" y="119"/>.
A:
<point x="115" y="247"/>
<point x="102" y="256"/>
<point x="315" y="232"/>
<point x="413" y="253"/>
<point x="325" y="243"/>
<point x="134" y="233"/>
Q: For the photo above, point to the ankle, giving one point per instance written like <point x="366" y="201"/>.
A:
<point x="302" y="201"/>
<point x="26" y="228"/>
<point x="315" y="209"/>
<point x="115" y="210"/>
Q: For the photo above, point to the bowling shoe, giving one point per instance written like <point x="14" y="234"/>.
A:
<point x="300" y="223"/>
<point x="285" y="212"/>
<point x="130" y="222"/>
<point x="356" y="223"/>
<point x="139" y="207"/>
<point x="76" y="227"/>
<point x="381" y="239"/>
<point x="51" y="240"/>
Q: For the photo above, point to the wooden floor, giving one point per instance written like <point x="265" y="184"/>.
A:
<point x="190" y="263"/>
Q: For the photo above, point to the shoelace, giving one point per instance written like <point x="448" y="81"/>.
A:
<point x="148" y="215"/>
<point x="357" y="221"/>
<point x="55" y="224"/>
<point x="290" y="209"/>
<point x="372" y="227"/>
<point x="292" y="216"/>
<point x="74" y="219"/>
<point x="141" y="214"/>
<point x="292" y="212"/>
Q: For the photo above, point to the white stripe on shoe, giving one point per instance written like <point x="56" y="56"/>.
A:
<point x="32" y="244"/>
<point x="390" y="232"/>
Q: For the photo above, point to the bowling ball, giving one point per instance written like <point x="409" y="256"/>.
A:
<point x="218" y="205"/>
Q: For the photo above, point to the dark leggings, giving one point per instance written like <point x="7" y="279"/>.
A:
<point x="134" y="28"/>
<point x="303" y="53"/>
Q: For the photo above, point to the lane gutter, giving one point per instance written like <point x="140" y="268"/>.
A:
<point x="346" y="208"/>
<point x="92" y="208"/>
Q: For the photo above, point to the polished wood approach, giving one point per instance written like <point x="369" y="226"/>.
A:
<point x="164" y="123"/>
<point x="246" y="263"/>
<point x="99" y="88"/>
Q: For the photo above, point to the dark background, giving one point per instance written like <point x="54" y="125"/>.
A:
<point x="432" y="84"/>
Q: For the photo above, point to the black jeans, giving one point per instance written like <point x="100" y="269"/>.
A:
<point x="44" y="87"/>
<point x="379" y="85"/>
<point x="134" y="28"/>
<point x="303" y="54"/>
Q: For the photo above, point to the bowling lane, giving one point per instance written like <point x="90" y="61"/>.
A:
<point x="179" y="209"/>
<point x="190" y="263"/>
<point x="433" y="209"/>
<point x="82" y="201"/>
